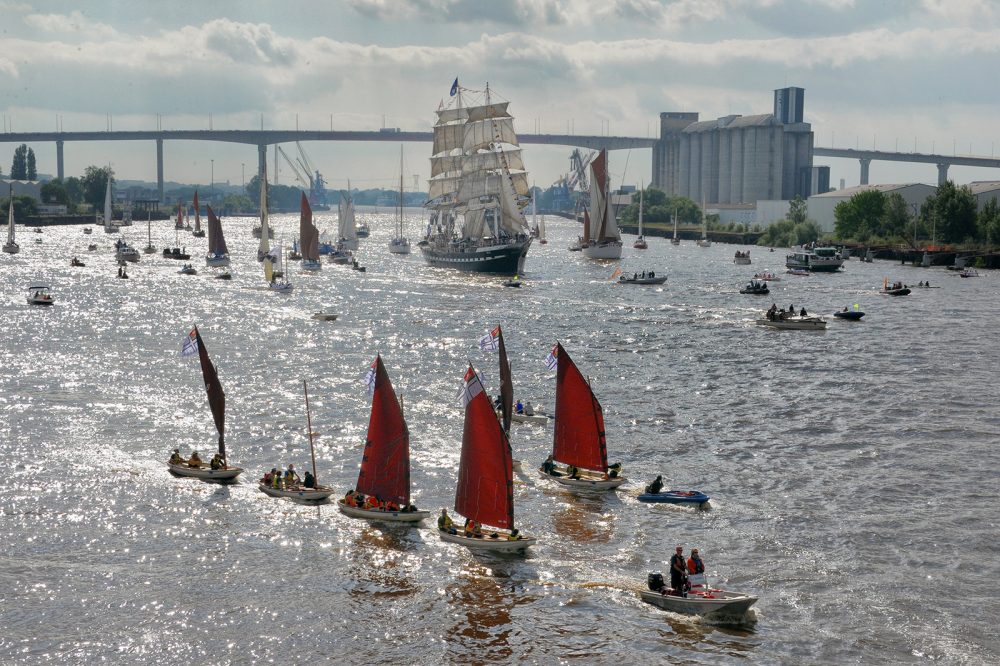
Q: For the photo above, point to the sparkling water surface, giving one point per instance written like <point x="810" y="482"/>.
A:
<point x="853" y="472"/>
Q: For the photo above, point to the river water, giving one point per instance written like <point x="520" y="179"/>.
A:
<point x="853" y="472"/>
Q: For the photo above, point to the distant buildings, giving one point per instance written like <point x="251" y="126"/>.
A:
<point x="821" y="205"/>
<point x="739" y="159"/>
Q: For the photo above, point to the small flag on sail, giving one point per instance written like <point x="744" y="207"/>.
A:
<point x="454" y="87"/>
<point x="370" y="380"/>
<point x="614" y="276"/>
<point x="190" y="345"/>
<point x="491" y="340"/>
<point x="551" y="361"/>
<point x="472" y="385"/>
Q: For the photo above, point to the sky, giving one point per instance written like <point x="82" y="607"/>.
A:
<point x="889" y="73"/>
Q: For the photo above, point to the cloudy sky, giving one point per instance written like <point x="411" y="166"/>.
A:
<point x="889" y="72"/>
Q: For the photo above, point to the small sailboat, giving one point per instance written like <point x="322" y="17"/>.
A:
<point x="264" y="254"/>
<point x="217" y="403"/>
<point x="348" y="231"/>
<point x="640" y="242"/>
<point x="179" y="224"/>
<point x="310" y="237"/>
<point x="109" y="223"/>
<point x="218" y="252"/>
<point x="198" y="231"/>
<point x="300" y="492"/>
<point x="485" y="493"/>
<point x="675" y="240"/>
<point x="385" y="461"/>
<point x="11" y="246"/>
<point x="578" y="441"/>
<point x="400" y="244"/>
<point x="541" y="232"/>
<point x="606" y="240"/>
<point x="149" y="249"/>
<point x="704" y="242"/>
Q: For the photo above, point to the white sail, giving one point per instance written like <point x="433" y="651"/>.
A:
<point x="446" y="164"/>
<point x="107" y="203"/>
<point x="448" y="138"/>
<point x="345" y="209"/>
<point x="482" y="134"/>
<point x="640" y="212"/>
<point x="511" y="159"/>
<point x="10" y="221"/>
<point x="264" y="248"/>
<point x="484" y="184"/>
<point x="443" y="185"/>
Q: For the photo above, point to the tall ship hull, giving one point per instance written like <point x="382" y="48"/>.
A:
<point x="505" y="259"/>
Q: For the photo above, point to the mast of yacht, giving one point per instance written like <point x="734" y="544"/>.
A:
<point x="312" y="450"/>
<point x="641" y="192"/>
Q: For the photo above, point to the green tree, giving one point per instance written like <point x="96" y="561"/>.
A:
<point x="23" y="207"/>
<point x="860" y="216"/>
<point x="895" y="217"/>
<point x="989" y="222"/>
<point x="19" y="167"/>
<point x="237" y="204"/>
<point x="31" y="172"/>
<point x="797" y="210"/>
<point x="952" y="211"/>
<point x="94" y="183"/>
<point x="74" y="189"/>
<point x="54" y="192"/>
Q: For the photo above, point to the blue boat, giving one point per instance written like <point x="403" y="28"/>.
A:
<point x="675" y="497"/>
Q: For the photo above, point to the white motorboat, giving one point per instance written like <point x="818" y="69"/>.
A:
<point x="125" y="252"/>
<point x="643" y="278"/>
<point x="816" y="259"/>
<point x="794" y="323"/>
<point x="742" y="258"/>
<point x="40" y="294"/>
<point x="968" y="273"/>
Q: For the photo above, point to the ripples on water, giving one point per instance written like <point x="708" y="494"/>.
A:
<point x="853" y="472"/>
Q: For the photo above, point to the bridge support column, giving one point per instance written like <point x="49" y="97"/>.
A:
<point x="865" y="163"/>
<point x="60" y="163"/>
<point x="942" y="173"/>
<point x="159" y="169"/>
<point x="261" y="161"/>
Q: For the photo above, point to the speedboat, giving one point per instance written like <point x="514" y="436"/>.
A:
<point x="40" y="294"/>
<point x="643" y="278"/>
<point x="325" y="316"/>
<point x="794" y="323"/>
<point x="188" y="269"/>
<point x="850" y="315"/>
<point x="755" y="287"/>
<point x="969" y="272"/>
<point x="675" y="497"/>
<point x="701" y="600"/>
<point x="224" y="275"/>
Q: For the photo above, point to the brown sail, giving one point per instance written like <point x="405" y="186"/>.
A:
<point x="216" y="396"/>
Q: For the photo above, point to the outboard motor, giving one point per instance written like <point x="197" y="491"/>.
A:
<point x="655" y="582"/>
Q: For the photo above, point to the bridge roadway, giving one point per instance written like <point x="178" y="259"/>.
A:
<point x="263" y="138"/>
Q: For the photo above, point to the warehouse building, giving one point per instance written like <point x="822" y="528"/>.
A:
<point x="821" y="206"/>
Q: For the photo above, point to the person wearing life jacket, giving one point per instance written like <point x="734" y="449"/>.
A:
<point x="276" y="479"/>
<point x="349" y="498"/>
<point x="694" y="563"/>
<point x="678" y="572"/>
<point x="291" y="476"/>
<point x="514" y="535"/>
<point x="175" y="457"/>
<point x="445" y="522"/>
<point x="216" y="462"/>
<point x="194" y="460"/>
<point x="372" y="503"/>
<point x="389" y="505"/>
<point x="656" y="486"/>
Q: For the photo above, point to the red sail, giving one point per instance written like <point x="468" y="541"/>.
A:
<point x="579" y="430"/>
<point x="216" y="241"/>
<point x="308" y="233"/>
<point x="385" y="464"/>
<point x="197" y="213"/>
<point x="485" y="475"/>
<point x="586" y="226"/>
<point x="506" y="385"/>
<point x="216" y="396"/>
<point x="598" y="189"/>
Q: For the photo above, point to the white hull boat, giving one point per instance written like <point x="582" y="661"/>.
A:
<point x="611" y="250"/>
<point x="533" y="419"/>
<point x="382" y="515"/>
<point x="709" y="602"/>
<point x="399" y="246"/>
<point x="298" y="494"/>
<point x="586" y="481"/>
<point x="205" y="472"/>
<point x="498" y="545"/>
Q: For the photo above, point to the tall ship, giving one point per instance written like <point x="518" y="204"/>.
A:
<point x="478" y="189"/>
<point x="824" y="259"/>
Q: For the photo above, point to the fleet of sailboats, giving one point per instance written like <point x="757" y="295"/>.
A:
<point x="604" y="240"/>
<point x="477" y="191"/>
<point x="385" y="460"/>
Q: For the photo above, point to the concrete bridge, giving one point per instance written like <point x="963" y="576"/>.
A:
<point x="942" y="161"/>
<point x="263" y="138"/>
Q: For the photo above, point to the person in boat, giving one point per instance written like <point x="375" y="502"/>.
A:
<point x="276" y="479"/>
<point x="656" y="486"/>
<point x="572" y="472"/>
<point x="445" y="523"/>
<point x="652" y="274"/>
<point x="216" y="462"/>
<point x="175" y="457"/>
<point x="266" y="479"/>
<point x="802" y="312"/>
<point x="614" y="470"/>
<point x="498" y="402"/>
<point x="678" y="571"/>
<point x="194" y="460"/>
<point x="528" y="409"/>
<point x="519" y="407"/>
<point x="119" y="271"/>
<point x="291" y="476"/>
<point x="372" y="503"/>
<point x="791" y="309"/>
<point x="310" y="480"/>
<point x="349" y="498"/>
<point x="845" y="309"/>
<point x="514" y="535"/>
<point x="389" y="505"/>
<point x="635" y="276"/>
<point x="549" y="467"/>
<point x="694" y="563"/>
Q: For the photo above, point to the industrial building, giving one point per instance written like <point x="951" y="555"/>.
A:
<point x="985" y="191"/>
<point x="738" y="159"/>
<point x="820" y="206"/>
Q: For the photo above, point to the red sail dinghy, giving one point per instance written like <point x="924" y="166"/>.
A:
<point x="485" y="494"/>
<point x="383" y="489"/>
<point x="579" y="450"/>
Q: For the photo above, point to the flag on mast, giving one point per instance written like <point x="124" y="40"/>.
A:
<point x="490" y="341"/>
<point x="551" y="361"/>
<point x="472" y="386"/>
<point x="454" y="87"/>
<point x="370" y="379"/>
<point x="190" y="346"/>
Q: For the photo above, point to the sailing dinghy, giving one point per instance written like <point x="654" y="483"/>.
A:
<point x="218" y="252"/>
<point x="217" y="402"/>
<point x="640" y="242"/>
<point x="310" y="237"/>
<point x="578" y="442"/>
<point x="11" y="246"/>
<point x="299" y="492"/>
<point x="485" y="493"/>
<point x="264" y="254"/>
<point x="198" y="231"/>
<point x="385" y="462"/>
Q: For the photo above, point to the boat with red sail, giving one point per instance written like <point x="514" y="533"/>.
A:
<point x="198" y="231"/>
<point x="485" y="493"/>
<point x="217" y="403"/>
<point x="579" y="457"/>
<point x="218" y="252"/>
<point x="385" y="462"/>
<point x="309" y="235"/>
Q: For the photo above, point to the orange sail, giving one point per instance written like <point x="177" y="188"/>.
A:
<point x="385" y="464"/>
<point x="485" y="491"/>
<point x="579" y="427"/>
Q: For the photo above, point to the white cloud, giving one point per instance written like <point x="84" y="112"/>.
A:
<point x="8" y="67"/>
<point x="72" y="23"/>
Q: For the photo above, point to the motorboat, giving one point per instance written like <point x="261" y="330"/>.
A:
<point x="642" y="278"/>
<point x="125" y="252"/>
<point x="969" y="272"/>
<point x="325" y="316"/>
<point x="822" y="259"/>
<point x="40" y="294"/>
<point x="701" y="600"/>
<point x="175" y="253"/>
<point x="801" y="272"/>
<point x="755" y="287"/>
<point x="674" y="497"/>
<point x="742" y="258"/>
<point x="766" y="276"/>
<point x="849" y="315"/>
<point x="88" y="230"/>
<point x="188" y="269"/>
<point x="91" y="247"/>
<point x="76" y="262"/>
<point x="795" y="322"/>
<point x="223" y="275"/>
<point x="894" y="289"/>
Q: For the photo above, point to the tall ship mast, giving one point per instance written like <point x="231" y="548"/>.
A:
<point x="478" y="189"/>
